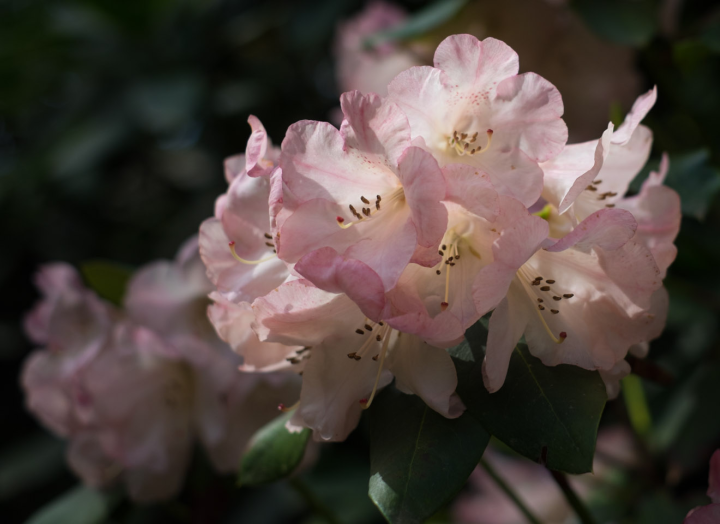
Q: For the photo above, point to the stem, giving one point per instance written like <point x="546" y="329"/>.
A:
<point x="509" y="492"/>
<point x="580" y="509"/>
<point x="636" y="404"/>
<point x="313" y="501"/>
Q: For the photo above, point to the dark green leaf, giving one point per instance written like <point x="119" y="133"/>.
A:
<point x="538" y="407"/>
<point x="107" y="279"/>
<point x="696" y="181"/>
<point x="273" y="454"/>
<point x="626" y="22"/>
<point x="77" y="506"/>
<point x="418" y="459"/>
<point x="419" y="23"/>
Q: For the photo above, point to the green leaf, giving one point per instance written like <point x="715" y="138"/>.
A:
<point x="538" y="407"/>
<point x="418" y="459"/>
<point x="80" y="505"/>
<point x="695" y="180"/>
<point x="273" y="454"/>
<point x="625" y="22"/>
<point x="107" y="279"/>
<point x="419" y="23"/>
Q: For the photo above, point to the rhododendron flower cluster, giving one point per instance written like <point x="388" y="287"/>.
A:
<point x="133" y="390"/>
<point x="360" y="254"/>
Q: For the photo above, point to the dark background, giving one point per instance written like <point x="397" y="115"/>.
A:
<point x="115" y="118"/>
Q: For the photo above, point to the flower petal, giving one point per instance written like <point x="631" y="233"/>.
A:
<point x="337" y="274"/>
<point x="640" y="108"/>
<point x="424" y="188"/>
<point x="427" y="372"/>
<point x="608" y="229"/>
<point x="472" y="189"/>
<point x="507" y="325"/>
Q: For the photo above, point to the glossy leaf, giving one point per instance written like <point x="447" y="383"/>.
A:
<point x="107" y="279"/>
<point x="418" y="459"/>
<point x="273" y="453"/>
<point x="80" y="505"/>
<point x="540" y="411"/>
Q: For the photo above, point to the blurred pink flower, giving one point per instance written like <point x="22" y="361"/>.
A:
<point x="474" y="108"/>
<point x="709" y="514"/>
<point x="133" y="390"/>
<point x="370" y="69"/>
<point x="364" y="192"/>
<point x="73" y="324"/>
<point x="345" y="358"/>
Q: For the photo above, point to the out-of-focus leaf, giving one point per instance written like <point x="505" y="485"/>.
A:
<point x="695" y="180"/>
<point x="626" y="22"/>
<point x="80" y="505"/>
<point x="86" y="145"/>
<point x="539" y="407"/>
<point x="419" y="23"/>
<point x="418" y="459"/>
<point x="273" y="453"/>
<point x="36" y="460"/>
<point x="685" y="427"/>
<point x="107" y="279"/>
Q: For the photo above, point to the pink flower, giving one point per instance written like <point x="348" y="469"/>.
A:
<point x="474" y="108"/>
<point x="590" y="176"/>
<point x="73" y="324"/>
<point x="370" y="70"/>
<point x="582" y="300"/>
<point x="151" y="398"/>
<point x="345" y="358"/>
<point x="363" y="192"/>
<point x="709" y="514"/>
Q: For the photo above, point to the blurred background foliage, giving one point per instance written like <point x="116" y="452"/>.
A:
<point x="114" y="121"/>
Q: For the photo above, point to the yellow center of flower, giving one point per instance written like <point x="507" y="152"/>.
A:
<point x="464" y="144"/>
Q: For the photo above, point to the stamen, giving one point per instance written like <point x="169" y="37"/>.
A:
<point x="550" y="281"/>
<point x="359" y="331"/>
<point x="557" y="298"/>
<point x="545" y="288"/>
<point x="386" y="341"/>
<point x="269" y="244"/>
<point x="365" y="200"/>
<point x="249" y="262"/>
<point x="559" y="340"/>
<point x="268" y="236"/>
<point x="568" y="295"/>
<point x="368" y="327"/>
<point x="351" y="355"/>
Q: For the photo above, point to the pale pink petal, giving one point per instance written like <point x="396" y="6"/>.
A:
<point x="298" y="313"/>
<point x="374" y="125"/>
<point x="337" y="274"/>
<point x="512" y="172"/>
<point x="314" y="225"/>
<point x="633" y="269"/>
<point x="474" y="64"/>
<point x="472" y="189"/>
<point x="424" y="187"/>
<point x="316" y="164"/>
<point x="233" y="325"/>
<point x="256" y="147"/>
<point x="427" y="372"/>
<point x="333" y="386"/>
<point x="531" y="107"/>
<point x="88" y="460"/>
<point x="640" y="108"/>
<point x="608" y="229"/>
<point x="422" y="94"/>
<point x="572" y="171"/>
<point x="507" y="325"/>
